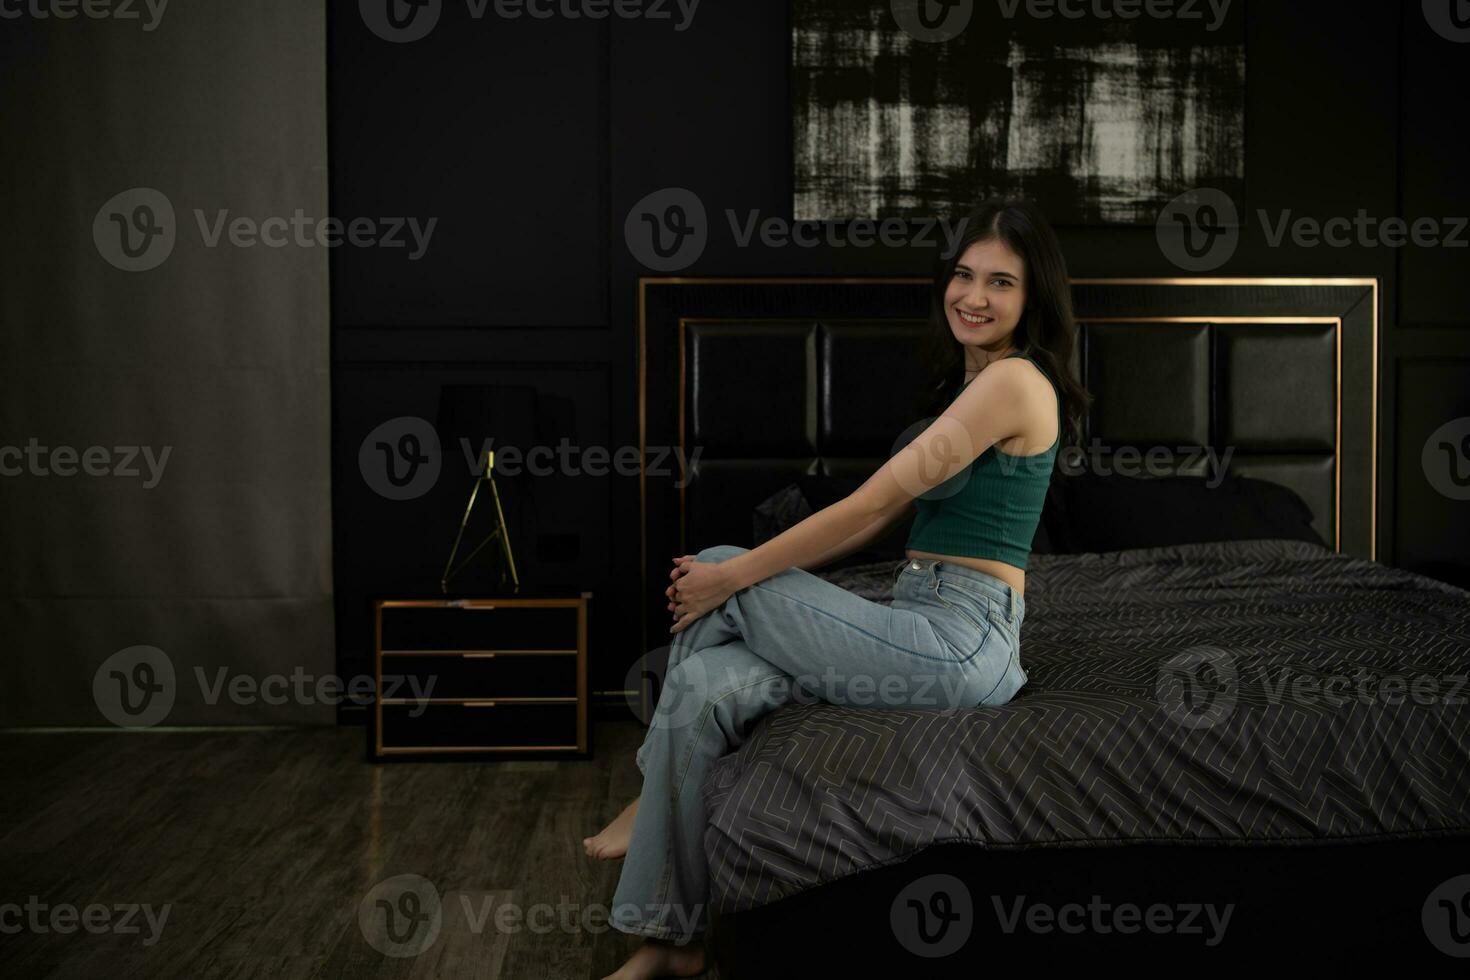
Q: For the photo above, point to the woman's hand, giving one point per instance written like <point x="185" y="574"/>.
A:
<point x="699" y="586"/>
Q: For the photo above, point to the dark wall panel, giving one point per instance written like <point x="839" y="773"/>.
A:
<point x="494" y="128"/>
<point x="1434" y="286"/>
<point x="1432" y="516"/>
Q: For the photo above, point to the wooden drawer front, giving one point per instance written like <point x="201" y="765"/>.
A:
<point x="480" y="676"/>
<point x="473" y="628"/>
<point x="444" y="726"/>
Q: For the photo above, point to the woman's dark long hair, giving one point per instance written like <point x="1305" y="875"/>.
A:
<point x="1046" y="329"/>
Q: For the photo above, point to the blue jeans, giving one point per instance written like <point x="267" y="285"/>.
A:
<point x="949" y="640"/>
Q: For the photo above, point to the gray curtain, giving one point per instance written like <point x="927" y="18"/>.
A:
<point x="164" y="416"/>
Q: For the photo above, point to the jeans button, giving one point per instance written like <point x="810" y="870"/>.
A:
<point x="915" y="566"/>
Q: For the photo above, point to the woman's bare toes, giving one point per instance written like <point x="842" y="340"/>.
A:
<point x="660" y="958"/>
<point x="612" y="841"/>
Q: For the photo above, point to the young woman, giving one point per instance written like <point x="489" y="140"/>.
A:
<point x="975" y="478"/>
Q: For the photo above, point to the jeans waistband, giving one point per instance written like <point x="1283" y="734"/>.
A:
<point x="1013" y="603"/>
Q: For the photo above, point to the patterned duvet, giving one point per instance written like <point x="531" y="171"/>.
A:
<point x="1233" y="693"/>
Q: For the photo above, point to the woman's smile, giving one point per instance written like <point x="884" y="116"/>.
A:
<point x="974" y="319"/>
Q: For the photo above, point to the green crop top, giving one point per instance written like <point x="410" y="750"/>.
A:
<point x="991" y="508"/>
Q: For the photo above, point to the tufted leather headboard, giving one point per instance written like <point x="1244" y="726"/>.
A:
<point x="759" y="381"/>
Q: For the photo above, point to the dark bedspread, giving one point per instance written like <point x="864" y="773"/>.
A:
<point x="1232" y="693"/>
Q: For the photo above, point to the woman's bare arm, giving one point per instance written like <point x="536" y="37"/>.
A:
<point x="996" y="405"/>
<point x="859" y="540"/>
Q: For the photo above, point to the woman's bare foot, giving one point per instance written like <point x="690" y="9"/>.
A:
<point x="612" y="842"/>
<point x="661" y="958"/>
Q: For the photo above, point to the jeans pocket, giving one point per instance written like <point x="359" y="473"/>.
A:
<point x="972" y="608"/>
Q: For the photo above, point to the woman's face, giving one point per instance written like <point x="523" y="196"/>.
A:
<point x="985" y="298"/>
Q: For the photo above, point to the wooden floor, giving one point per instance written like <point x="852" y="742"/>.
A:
<point x="263" y="845"/>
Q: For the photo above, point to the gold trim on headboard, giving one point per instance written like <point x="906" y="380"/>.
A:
<point x="1367" y="281"/>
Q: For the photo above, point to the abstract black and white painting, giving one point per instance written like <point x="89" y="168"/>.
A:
<point x="1097" y="117"/>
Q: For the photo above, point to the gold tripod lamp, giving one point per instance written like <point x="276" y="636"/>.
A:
<point x="508" y="563"/>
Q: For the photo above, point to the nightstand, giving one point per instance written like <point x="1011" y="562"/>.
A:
<point x="499" y="676"/>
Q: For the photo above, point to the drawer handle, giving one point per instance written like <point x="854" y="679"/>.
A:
<point x="469" y="604"/>
<point x="479" y="704"/>
<point x="477" y="656"/>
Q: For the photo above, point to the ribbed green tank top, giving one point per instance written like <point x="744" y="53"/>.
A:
<point x="991" y="508"/>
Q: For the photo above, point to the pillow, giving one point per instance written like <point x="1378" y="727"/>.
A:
<point x="1114" y="512"/>
<point x="781" y="510"/>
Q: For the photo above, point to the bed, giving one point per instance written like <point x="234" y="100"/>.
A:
<point x="1226" y="748"/>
